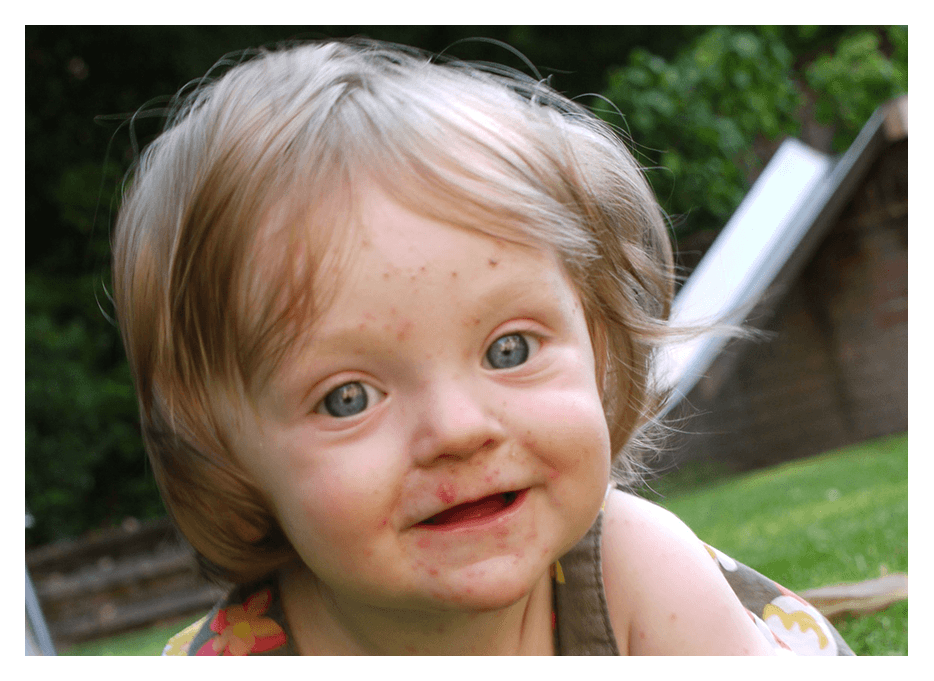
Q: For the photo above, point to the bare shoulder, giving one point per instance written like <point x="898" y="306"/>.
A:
<point x="665" y="594"/>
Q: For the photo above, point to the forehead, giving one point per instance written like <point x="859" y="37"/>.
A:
<point x="408" y="239"/>
<point x="396" y="256"/>
<point x="394" y="241"/>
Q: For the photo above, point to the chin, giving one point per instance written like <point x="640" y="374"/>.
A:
<point x="489" y="587"/>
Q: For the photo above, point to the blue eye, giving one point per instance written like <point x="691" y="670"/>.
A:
<point x="349" y="399"/>
<point x="508" y="351"/>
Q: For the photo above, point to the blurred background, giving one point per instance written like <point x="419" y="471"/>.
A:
<point x="706" y="107"/>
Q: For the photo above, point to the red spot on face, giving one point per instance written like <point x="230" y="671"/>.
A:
<point x="433" y="572"/>
<point x="446" y="492"/>
<point x="424" y="543"/>
<point x="403" y="330"/>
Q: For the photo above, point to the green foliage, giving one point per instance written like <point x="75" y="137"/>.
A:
<point x="707" y="120"/>
<point x="858" y="76"/>
<point x="699" y="115"/>
<point x="85" y="462"/>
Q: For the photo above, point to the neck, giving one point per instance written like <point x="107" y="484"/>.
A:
<point x="323" y="623"/>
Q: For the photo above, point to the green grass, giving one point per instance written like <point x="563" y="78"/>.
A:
<point x="144" y="642"/>
<point x="835" y="518"/>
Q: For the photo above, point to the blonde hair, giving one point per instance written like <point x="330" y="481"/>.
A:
<point x="233" y="208"/>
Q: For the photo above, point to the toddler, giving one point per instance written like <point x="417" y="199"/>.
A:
<point x="390" y="322"/>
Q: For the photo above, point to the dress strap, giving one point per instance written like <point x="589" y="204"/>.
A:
<point x="582" y="619"/>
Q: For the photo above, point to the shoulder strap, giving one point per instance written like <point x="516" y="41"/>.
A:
<point x="582" y="620"/>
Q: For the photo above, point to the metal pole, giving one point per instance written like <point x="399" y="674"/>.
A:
<point x="36" y="620"/>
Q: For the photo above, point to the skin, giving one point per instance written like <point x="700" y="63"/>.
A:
<point x="664" y="593"/>
<point x="418" y="307"/>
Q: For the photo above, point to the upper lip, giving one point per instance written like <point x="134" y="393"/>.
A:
<point x="466" y="500"/>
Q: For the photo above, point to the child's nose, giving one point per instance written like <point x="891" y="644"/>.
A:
<point x="453" y="422"/>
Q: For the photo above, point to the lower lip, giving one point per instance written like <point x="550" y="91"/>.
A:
<point x="482" y="522"/>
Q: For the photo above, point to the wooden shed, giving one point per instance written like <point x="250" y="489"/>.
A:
<point x="829" y="286"/>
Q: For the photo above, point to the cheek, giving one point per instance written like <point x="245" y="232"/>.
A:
<point x="323" y="499"/>
<point x="321" y="516"/>
<point x="567" y="427"/>
<point x="334" y="500"/>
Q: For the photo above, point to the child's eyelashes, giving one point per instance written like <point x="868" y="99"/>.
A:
<point x="510" y="351"/>
<point x="349" y="399"/>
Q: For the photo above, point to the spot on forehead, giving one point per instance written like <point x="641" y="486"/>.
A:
<point x="493" y="262"/>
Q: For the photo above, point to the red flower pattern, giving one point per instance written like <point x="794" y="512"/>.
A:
<point x="242" y="629"/>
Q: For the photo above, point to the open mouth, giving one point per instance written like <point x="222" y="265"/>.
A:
<point x="482" y="509"/>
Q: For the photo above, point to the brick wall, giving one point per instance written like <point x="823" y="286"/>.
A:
<point x="835" y="370"/>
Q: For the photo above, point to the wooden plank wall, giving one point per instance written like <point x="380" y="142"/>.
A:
<point x="118" y="580"/>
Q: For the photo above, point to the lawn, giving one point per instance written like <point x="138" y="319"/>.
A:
<point x="834" y="518"/>
<point x="144" y="642"/>
<point x="839" y="517"/>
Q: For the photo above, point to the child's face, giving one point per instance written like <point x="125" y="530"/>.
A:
<point x="451" y="371"/>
